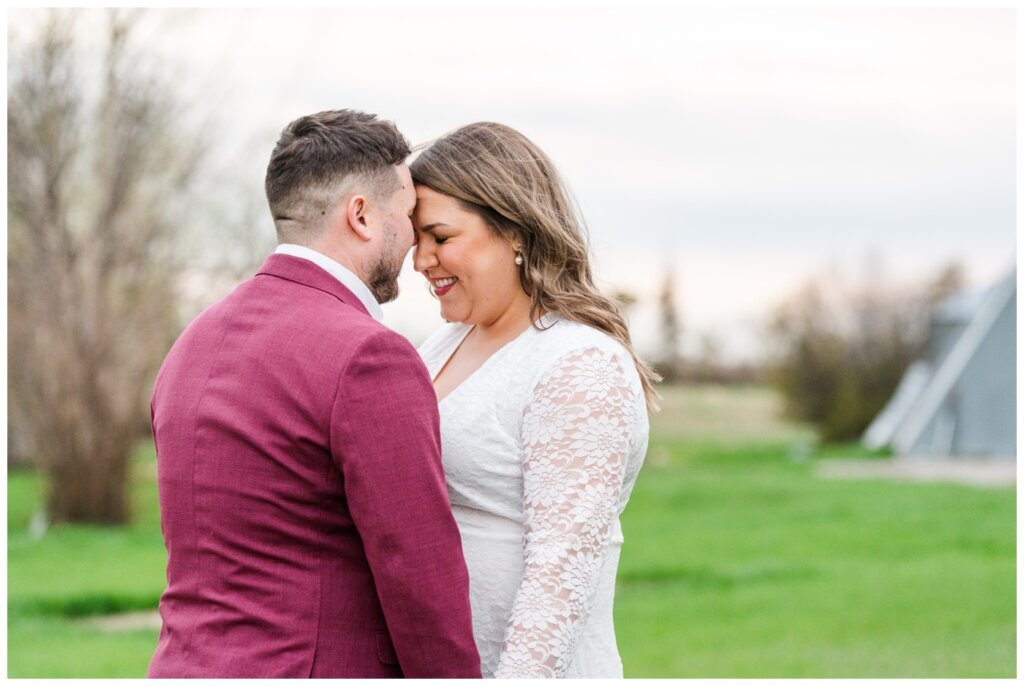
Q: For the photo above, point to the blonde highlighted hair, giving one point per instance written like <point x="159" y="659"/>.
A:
<point x="501" y="175"/>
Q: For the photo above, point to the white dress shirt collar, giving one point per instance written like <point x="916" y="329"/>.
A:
<point x="346" y="277"/>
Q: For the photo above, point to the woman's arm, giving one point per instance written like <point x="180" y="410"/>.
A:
<point x="575" y="439"/>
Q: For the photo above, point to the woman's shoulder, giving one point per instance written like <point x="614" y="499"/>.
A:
<point x="563" y="337"/>
<point x="580" y="356"/>
<point x="568" y="347"/>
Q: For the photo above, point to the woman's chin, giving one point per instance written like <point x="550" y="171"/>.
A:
<point x="450" y="314"/>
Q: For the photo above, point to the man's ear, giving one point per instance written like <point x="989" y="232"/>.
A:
<point x="355" y="212"/>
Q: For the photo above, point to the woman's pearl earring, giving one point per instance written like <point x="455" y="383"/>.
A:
<point x="519" y="258"/>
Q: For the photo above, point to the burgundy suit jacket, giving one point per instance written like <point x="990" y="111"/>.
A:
<point x="302" y="499"/>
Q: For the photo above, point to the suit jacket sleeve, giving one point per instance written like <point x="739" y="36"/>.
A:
<point x="385" y="439"/>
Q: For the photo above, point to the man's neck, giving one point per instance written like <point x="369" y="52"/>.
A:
<point x="338" y="254"/>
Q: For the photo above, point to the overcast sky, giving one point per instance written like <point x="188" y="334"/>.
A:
<point x="747" y="149"/>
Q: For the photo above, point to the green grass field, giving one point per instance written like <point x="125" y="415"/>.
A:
<point x="737" y="563"/>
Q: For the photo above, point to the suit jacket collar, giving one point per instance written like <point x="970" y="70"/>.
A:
<point x="304" y="272"/>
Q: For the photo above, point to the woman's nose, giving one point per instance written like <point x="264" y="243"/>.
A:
<point x="423" y="257"/>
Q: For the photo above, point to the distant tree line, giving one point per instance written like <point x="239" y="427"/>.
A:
<point x="706" y="364"/>
<point x="835" y="350"/>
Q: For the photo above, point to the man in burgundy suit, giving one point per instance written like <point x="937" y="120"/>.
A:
<point x="302" y="500"/>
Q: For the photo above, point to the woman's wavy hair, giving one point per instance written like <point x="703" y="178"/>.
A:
<point x="501" y="175"/>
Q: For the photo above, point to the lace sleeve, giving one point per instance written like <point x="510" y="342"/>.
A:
<point x="575" y="442"/>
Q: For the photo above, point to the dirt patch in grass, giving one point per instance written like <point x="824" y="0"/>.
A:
<point x="126" y="621"/>
<point x="983" y="472"/>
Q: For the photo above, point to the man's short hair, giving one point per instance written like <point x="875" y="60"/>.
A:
<point x="317" y="154"/>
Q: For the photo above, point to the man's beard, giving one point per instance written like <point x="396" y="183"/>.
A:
<point x="383" y="277"/>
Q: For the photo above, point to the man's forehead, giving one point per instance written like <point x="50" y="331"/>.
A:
<point x="408" y="187"/>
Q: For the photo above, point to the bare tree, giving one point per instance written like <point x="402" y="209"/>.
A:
<point x="669" y="362"/>
<point x="99" y="180"/>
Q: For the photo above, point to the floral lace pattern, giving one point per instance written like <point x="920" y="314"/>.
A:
<point x="576" y="435"/>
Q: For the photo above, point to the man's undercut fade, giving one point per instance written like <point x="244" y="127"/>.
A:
<point x="317" y="158"/>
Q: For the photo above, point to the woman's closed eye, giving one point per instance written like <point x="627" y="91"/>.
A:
<point x="440" y="239"/>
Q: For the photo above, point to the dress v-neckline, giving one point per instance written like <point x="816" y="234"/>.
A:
<point x="447" y="359"/>
<point x="455" y="349"/>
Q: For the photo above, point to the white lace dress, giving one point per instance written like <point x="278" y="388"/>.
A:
<point x="541" y="447"/>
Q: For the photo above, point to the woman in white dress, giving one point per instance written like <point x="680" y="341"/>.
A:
<point x="543" y="402"/>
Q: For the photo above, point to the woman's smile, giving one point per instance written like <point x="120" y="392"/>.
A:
<point x="442" y="286"/>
